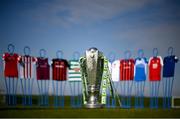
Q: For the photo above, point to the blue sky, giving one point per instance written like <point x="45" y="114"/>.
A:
<point x="76" y="25"/>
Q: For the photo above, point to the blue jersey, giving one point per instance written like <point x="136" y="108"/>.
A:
<point x="169" y="66"/>
<point x="140" y="69"/>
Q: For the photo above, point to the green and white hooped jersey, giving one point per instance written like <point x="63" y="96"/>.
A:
<point x="74" y="73"/>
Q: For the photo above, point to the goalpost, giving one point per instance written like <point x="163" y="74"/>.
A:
<point x="175" y="102"/>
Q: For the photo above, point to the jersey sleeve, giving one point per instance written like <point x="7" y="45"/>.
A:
<point x="49" y="62"/>
<point x="149" y="60"/>
<point x="34" y="59"/>
<point x="145" y="65"/>
<point x="164" y="60"/>
<point x="161" y="61"/>
<point x="52" y="62"/>
<point x="176" y="59"/>
<point x="18" y="58"/>
<point x="3" y="57"/>
<point x="135" y="67"/>
<point x="145" y="60"/>
<point x="109" y="67"/>
<point x="67" y="63"/>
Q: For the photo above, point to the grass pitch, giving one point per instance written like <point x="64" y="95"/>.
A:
<point x="20" y="111"/>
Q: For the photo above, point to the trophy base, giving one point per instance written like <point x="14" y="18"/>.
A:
<point x="97" y="105"/>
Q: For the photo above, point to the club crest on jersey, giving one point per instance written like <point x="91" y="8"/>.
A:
<point x="59" y="66"/>
<point x="155" y="66"/>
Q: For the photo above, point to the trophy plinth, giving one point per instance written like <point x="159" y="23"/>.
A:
<point x="93" y="98"/>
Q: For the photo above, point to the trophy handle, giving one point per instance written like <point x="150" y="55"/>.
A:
<point x="83" y="76"/>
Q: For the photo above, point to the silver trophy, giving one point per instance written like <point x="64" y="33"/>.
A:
<point x="92" y="70"/>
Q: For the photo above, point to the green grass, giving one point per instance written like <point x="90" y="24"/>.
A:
<point x="68" y="112"/>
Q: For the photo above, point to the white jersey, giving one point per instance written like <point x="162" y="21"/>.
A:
<point x="27" y="67"/>
<point x="115" y="71"/>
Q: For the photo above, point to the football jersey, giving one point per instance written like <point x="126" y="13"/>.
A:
<point x="169" y="66"/>
<point x="155" y="66"/>
<point x="74" y="73"/>
<point x="127" y="69"/>
<point x="42" y="69"/>
<point x="27" y="67"/>
<point x="59" y="69"/>
<point x="140" y="69"/>
<point x="115" y="73"/>
<point x="11" y="64"/>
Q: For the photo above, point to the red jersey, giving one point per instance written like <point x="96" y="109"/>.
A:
<point x="127" y="69"/>
<point x="11" y="64"/>
<point x="59" y="69"/>
<point x="42" y="69"/>
<point x="27" y="67"/>
<point x="155" y="66"/>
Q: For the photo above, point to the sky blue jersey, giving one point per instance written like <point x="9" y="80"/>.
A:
<point x="140" y="69"/>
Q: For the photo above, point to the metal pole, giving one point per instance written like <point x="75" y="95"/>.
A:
<point x="45" y="103"/>
<point x="79" y="93"/>
<point x="39" y="92"/>
<point x="169" y="93"/>
<point x="16" y="92"/>
<point x="163" y="92"/>
<point x="32" y="81"/>
<point x="29" y="91"/>
<point x="75" y="104"/>
<point x="172" y="80"/>
<point x="136" y="94"/>
<point x="53" y="92"/>
<point x="47" y="93"/>
<point x="63" y="92"/>
<point x="142" y="99"/>
<point x="70" y="84"/>
<point x="61" y="101"/>
<point x="151" y="94"/>
<point x="22" y="91"/>
<point x="7" y="91"/>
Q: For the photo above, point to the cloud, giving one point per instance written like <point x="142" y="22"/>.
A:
<point x="82" y="11"/>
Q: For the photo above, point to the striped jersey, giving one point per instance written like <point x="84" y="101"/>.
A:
<point x="27" y="67"/>
<point x="74" y="73"/>
<point x="127" y="69"/>
<point x="59" y="69"/>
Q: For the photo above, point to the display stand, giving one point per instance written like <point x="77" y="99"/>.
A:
<point x="43" y="78"/>
<point x="11" y="78"/>
<point x="140" y="78"/>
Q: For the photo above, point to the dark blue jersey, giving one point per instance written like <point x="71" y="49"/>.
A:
<point x="169" y="66"/>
